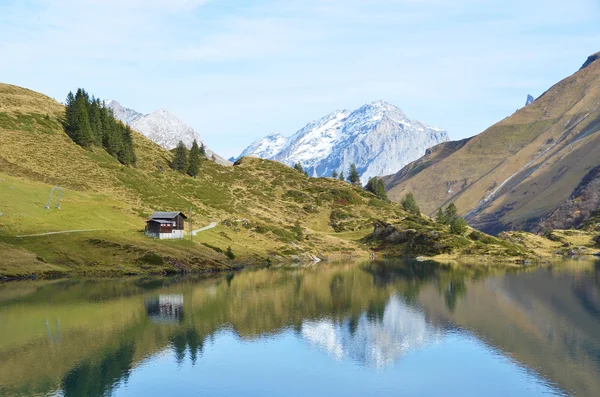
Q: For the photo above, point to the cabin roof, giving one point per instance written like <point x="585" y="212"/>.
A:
<point x="166" y="215"/>
<point x="161" y="221"/>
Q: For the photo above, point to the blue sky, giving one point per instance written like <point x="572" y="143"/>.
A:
<point x="239" y="70"/>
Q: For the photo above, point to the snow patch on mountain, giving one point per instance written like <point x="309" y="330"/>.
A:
<point x="265" y="147"/>
<point x="378" y="137"/>
<point x="162" y="127"/>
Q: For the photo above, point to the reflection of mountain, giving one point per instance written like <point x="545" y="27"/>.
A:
<point x="544" y="320"/>
<point x="373" y="341"/>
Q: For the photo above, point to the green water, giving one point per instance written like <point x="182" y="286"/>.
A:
<point x="333" y="329"/>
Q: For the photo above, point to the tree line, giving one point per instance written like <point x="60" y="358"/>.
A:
<point x="89" y="122"/>
<point x="374" y="185"/>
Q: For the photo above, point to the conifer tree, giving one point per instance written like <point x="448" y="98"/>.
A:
<point x="353" y="176"/>
<point x="376" y="186"/>
<point x="81" y="131"/>
<point x="180" y="160"/>
<point x="126" y="154"/>
<point x="450" y="213"/>
<point x="202" y="150"/>
<point x="89" y="122"/>
<point x="334" y="174"/>
<point x="194" y="161"/>
<point x="410" y="204"/>
<point x="342" y="177"/>
<point x="95" y="121"/>
<point x="458" y="225"/>
<point x="213" y="158"/>
<point x="440" y="217"/>
<point x="298" y="167"/>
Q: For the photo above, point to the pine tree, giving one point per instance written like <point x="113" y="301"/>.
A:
<point x="376" y="186"/>
<point x="410" y="204"/>
<point x="126" y="154"/>
<point x="298" y="167"/>
<point x="353" y="177"/>
<point x="202" y="150"/>
<point x="194" y="162"/>
<point x="458" y="225"/>
<point x="180" y="159"/>
<point x="342" y="177"/>
<point x="88" y="122"/>
<point x="450" y="213"/>
<point x="81" y="131"/>
<point x="213" y="158"/>
<point x="440" y="217"/>
<point x="95" y="121"/>
<point x="334" y="174"/>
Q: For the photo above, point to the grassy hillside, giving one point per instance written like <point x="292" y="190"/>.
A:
<point x="519" y="171"/>
<point x="266" y="212"/>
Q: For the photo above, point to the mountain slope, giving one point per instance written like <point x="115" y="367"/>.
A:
<point x="266" y="212"/>
<point x="519" y="171"/>
<point x="161" y="127"/>
<point x="378" y="138"/>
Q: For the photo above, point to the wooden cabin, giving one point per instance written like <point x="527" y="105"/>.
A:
<point x="166" y="225"/>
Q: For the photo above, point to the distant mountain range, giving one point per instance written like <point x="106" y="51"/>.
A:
<point x="537" y="169"/>
<point x="161" y="127"/>
<point x="378" y="137"/>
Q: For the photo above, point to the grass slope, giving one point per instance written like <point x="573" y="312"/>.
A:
<point x="525" y="166"/>
<point x="266" y="212"/>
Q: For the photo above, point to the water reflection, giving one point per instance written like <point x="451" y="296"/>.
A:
<point x="88" y="338"/>
<point x="165" y="308"/>
<point x="375" y="340"/>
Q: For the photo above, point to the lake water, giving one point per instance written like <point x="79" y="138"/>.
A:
<point x="394" y="328"/>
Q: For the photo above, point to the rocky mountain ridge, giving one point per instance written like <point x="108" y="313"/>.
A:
<point x="378" y="137"/>
<point x="161" y="127"/>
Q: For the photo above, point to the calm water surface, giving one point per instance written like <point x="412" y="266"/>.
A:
<point x="331" y="330"/>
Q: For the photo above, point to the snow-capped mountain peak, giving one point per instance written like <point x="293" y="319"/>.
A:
<point x="161" y="126"/>
<point x="378" y="137"/>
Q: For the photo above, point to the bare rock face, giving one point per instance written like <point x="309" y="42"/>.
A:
<point x="591" y="59"/>
<point x="582" y="203"/>
<point x="388" y="233"/>
<point x="530" y="100"/>
<point x="378" y="137"/>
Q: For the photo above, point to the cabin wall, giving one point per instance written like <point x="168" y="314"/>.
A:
<point x="179" y="222"/>
<point x="175" y="235"/>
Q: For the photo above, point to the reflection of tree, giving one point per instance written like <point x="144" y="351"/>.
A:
<point x="184" y="339"/>
<point x="99" y="379"/>
<point x="454" y="290"/>
<point x="410" y="276"/>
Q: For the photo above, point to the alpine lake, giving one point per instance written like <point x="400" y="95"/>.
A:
<point x="333" y="329"/>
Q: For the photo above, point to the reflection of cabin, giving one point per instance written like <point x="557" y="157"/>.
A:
<point x="165" y="308"/>
<point x="165" y="225"/>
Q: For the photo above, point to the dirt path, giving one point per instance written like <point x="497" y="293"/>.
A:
<point x="212" y="225"/>
<point x="64" y="231"/>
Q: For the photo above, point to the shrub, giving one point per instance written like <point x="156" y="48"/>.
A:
<point x="230" y="253"/>
<point x="151" y="258"/>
